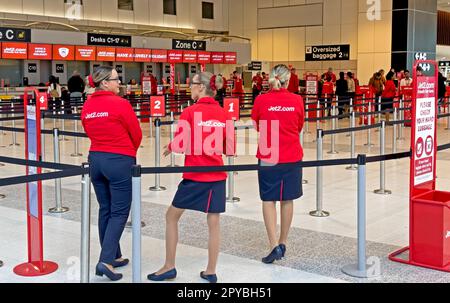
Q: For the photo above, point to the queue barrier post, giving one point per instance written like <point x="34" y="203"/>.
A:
<point x="383" y="190"/>
<point x="302" y="140"/>
<point x="85" y="225"/>
<point x="76" y="152"/>
<point x="333" y="136"/>
<point x="352" y="143"/>
<point x="319" y="212"/>
<point x="59" y="208"/>
<point x="230" y="182"/>
<point x="394" y="133"/>
<point x="359" y="270"/>
<point x="136" y="214"/>
<point x="14" y="134"/>
<point x="402" y="117"/>
<point x="157" y="186"/>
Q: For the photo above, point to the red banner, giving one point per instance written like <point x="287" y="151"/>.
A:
<point x="64" y="52"/>
<point x="175" y="56"/>
<point x="203" y="57"/>
<point x="14" y="50"/>
<point x="40" y="51"/>
<point x="190" y="57"/>
<point x="230" y="58"/>
<point x="159" y="55"/>
<point x="125" y="54"/>
<point x="106" y="53"/>
<point x="142" y="55"/>
<point x="217" y="58"/>
<point x="85" y="53"/>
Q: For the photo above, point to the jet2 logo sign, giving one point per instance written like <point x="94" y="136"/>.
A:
<point x="15" y="35"/>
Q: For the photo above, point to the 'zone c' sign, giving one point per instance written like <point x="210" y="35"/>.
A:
<point x="188" y="44"/>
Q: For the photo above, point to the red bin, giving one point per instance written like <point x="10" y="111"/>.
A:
<point x="431" y="229"/>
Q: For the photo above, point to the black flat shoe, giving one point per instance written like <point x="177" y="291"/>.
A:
<point x="209" y="278"/>
<point x="122" y="263"/>
<point x="276" y="254"/>
<point x="169" y="275"/>
<point x="101" y="269"/>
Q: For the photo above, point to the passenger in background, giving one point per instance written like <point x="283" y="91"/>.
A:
<point x="294" y="82"/>
<point x="388" y="95"/>
<point x="351" y="89"/>
<point x="54" y="89"/>
<point x="341" y="92"/>
<point x="76" y="83"/>
<point x="407" y="80"/>
<point x="257" y="85"/>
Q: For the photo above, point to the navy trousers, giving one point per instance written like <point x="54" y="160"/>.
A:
<point x="111" y="177"/>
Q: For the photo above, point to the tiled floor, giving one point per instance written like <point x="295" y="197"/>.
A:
<point x="387" y="216"/>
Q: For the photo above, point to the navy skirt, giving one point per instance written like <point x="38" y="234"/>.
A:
<point x="280" y="183"/>
<point x="207" y="197"/>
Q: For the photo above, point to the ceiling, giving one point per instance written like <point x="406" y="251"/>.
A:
<point x="444" y="5"/>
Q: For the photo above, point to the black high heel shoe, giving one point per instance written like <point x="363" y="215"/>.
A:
<point x="276" y="254"/>
<point x="101" y="269"/>
<point x="283" y="249"/>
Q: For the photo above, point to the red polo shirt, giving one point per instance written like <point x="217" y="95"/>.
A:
<point x="203" y="137"/>
<point x="111" y="124"/>
<point x="285" y="110"/>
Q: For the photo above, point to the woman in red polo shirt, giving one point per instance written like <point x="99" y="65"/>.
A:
<point x="279" y="117"/>
<point x="115" y="134"/>
<point x="202" y="136"/>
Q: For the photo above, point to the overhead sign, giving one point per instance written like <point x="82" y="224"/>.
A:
<point x="14" y="50"/>
<point x="142" y="55"/>
<point x="204" y="57"/>
<point x="159" y="55"/>
<point x="106" y="53"/>
<point x="188" y="44"/>
<point x="109" y="40"/>
<point x="174" y="56"/>
<point x="15" y="34"/>
<point x="40" y="52"/>
<point x="189" y="57"/>
<point x="255" y="66"/>
<point x="327" y="53"/>
<point x="230" y="58"/>
<point x="217" y="58"/>
<point x="125" y="54"/>
<point x="85" y="53"/>
<point x="64" y="52"/>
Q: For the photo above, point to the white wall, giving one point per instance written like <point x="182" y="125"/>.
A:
<point x="374" y="41"/>
<point x="146" y="12"/>
<point x="338" y="25"/>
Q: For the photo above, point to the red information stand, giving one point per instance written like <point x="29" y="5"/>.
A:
<point x="429" y="208"/>
<point x="36" y="266"/>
